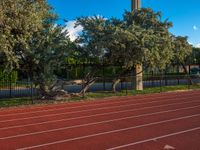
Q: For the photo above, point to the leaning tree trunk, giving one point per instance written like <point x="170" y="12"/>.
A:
<point x="114" y="84"/>
<point x="89" y="80"/>
<point x="118" y="79"/>
<point x="87" y="85"/>
<point x="138" y="79"/>
<point x="54" y="91"/>
<point x="186" y="71"/>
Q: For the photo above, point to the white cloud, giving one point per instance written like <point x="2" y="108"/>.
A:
<point x="191" y="43"/>
<point x="198" y="45"/>
<point x="195" y="28"/>
<point x="73" y="32"/>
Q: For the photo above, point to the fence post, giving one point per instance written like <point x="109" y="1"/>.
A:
<point x="104" y="82"/>
<point x="10" y="85"/>
<point x="83" y="94"/>
<point x="160" y="84"/>
<point x="188" y="81"/>
<point x="32" y="92"/>
<point x="126" y="81"/>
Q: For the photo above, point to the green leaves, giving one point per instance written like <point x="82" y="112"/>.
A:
<point x="30" y="41"/>
<point x="20" y="21"/>
<point x="141" y="37"/>
<point x="182" y="49"/>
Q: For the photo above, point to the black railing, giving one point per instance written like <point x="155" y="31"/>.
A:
<point x="128" y="83"/>
<point x="28" y="89"/>
<point x="17" y="89"/>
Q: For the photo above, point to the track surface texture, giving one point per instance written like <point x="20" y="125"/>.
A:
<point x="162" y="121"/>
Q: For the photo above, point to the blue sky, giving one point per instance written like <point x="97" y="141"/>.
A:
<point x="185" y="14"/>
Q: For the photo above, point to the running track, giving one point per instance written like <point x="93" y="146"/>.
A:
<point x="143" y="122"/>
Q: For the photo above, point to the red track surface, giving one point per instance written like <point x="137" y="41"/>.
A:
<point x="148" y="122"/>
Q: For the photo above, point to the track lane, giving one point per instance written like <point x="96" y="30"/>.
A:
<point x="102" y="127"/>
<point x="138" y="111"/>
<point x="186" y="140"/>
<point x="70" y="124"/>
<point x="85" y="107"/>
<point x="118" y="117"/>
<point x="113" y="138"/>
<point x="70" y="115"/>
<point x="33" y="115"/>
<point x="50" y="107"/>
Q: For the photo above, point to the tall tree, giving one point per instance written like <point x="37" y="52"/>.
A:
<point x="195" y="56"/>
<point x="182" y="50"/>
<point x="31" y="42"/>
<point x="19" y="21"/>
<point x="140" y="38"/>
<point x="90" y="46"/>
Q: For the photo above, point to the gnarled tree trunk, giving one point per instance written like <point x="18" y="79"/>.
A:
<point x="89" y="80"/>
<point x="186" y="71"/>
<point x="54" y="91"/>
<point x="87" y="85"/>
<point x="118" y="78"/>
<point x="114" y="84"/>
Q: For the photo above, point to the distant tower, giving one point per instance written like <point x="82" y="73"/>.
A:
<point x="136" y="4"/>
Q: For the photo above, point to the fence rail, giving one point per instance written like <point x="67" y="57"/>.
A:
<point x="17" y="89"/>
<point x="127" y="82"/>
<point x="27" y="89"/>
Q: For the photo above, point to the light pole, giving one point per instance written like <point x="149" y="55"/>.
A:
<point x="136" y="4"/>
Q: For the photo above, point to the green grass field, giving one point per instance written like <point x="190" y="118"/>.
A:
<point x="97" y="95"/>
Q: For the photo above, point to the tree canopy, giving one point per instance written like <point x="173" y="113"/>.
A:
<point x="31" y="41"/>
<point x="140" y="37"/>
<point x="20" y="21"/>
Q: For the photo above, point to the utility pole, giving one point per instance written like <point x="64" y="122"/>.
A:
<point x="136" y="4"/>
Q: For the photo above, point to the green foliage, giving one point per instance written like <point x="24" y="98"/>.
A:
<point x="91" y="49"/>
<point x="20" y="21"/>
<point x="140" y="38"/>
<point x="31" y="41"/>
<point x="182" y="50"/>
<point x="194" y="58"/>
<point x="8" y="77"/>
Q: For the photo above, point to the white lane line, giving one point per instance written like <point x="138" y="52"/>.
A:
<point x="108" y="132"/>
<point x="82" y="102"/>
<point x="82" y="106"/>
<point x="155" y="138"/>
<point x="49" y="106"/>
<point x="96" y="115"/>
<point x="89" y="110"/>
<point x="94" y="123"/>
<point x="88" y="106"/>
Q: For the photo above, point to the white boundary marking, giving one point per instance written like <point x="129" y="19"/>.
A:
<point x="89" y="110"/>
<point x="155" y="138"/>
<point x="96" y="115"/>
<point x="175" y="93"/>
<point x="83" y="106"/>
<point x="108" y="132"/>
<point x="99" y="104"/>
<point x="94" y="123"/>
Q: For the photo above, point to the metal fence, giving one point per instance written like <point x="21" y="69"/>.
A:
<point x="27" y="89"/>
<point x="127" y="83"/>
<point x="17" y="89"/>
